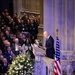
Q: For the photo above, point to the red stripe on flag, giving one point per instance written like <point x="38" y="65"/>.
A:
<point x="57" y="67"/>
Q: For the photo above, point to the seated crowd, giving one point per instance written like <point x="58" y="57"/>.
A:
<point x="16" y="36"/>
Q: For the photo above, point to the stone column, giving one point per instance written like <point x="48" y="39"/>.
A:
<point x="59" y="14"/>
<point x="48" y="17"/>
<point x="17" y="4"/>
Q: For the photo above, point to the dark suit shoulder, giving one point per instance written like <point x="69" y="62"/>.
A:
<point x="51" y="38"/>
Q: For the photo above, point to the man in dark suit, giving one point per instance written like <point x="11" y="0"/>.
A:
<point x="5" y="66"/>
<point x="49" y="45"/>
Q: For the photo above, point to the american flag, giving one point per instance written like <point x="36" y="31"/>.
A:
<point x="57" y="65"/>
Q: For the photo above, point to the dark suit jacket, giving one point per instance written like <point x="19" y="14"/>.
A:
<point x="1" y="66"/>
<point x="8" y="56"/>
<point x="5" y="68"/>
<point x="50" y="47"/>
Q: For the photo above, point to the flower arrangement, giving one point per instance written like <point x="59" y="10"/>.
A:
<point x="22" y="65"/>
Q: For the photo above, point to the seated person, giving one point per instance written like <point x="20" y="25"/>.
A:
<point x="5" y="66"/>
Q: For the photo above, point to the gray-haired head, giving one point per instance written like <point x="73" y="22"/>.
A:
<point x="46" y="34"/>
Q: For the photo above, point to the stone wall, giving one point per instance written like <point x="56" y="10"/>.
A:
<point x="60" y="14"/>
